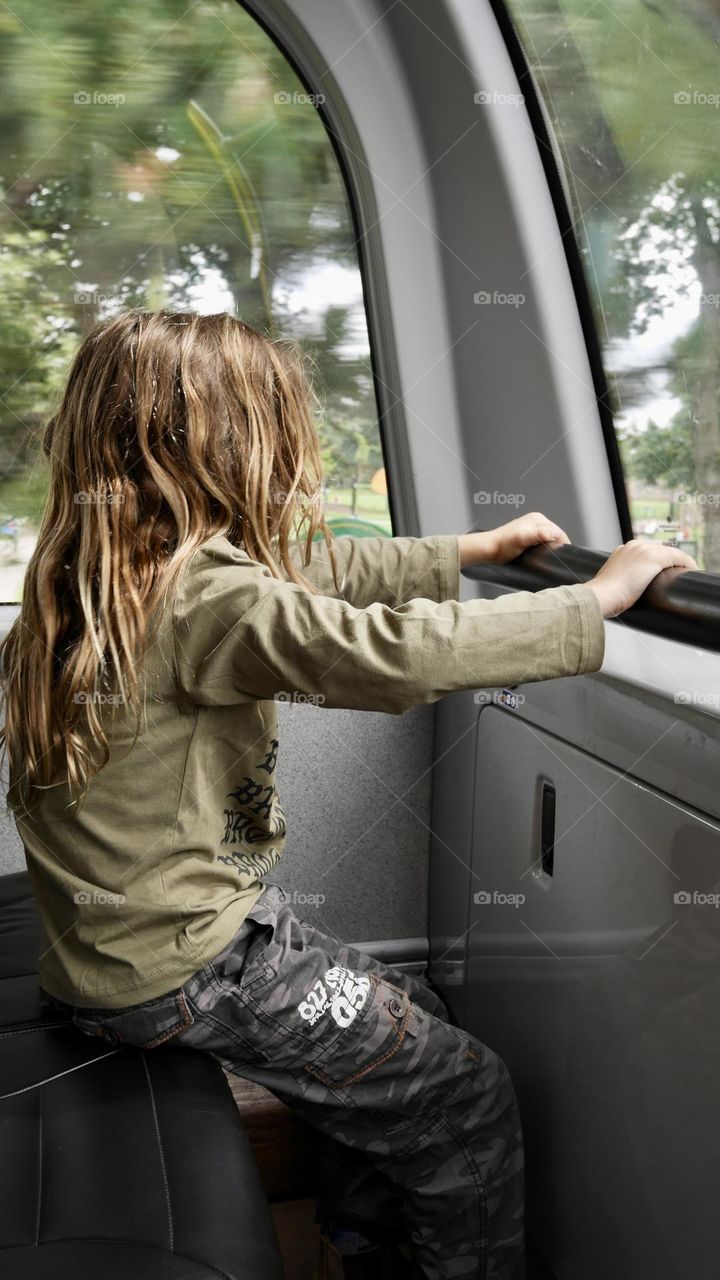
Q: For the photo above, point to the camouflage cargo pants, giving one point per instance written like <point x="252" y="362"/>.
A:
<point x="418" y="1118"/>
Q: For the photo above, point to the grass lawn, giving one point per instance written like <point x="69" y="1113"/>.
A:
<point x="369" y="506"/>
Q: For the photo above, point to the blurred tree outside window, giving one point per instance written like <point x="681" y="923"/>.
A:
<point x="157" y="156"/>
<point x="632" y="91"/>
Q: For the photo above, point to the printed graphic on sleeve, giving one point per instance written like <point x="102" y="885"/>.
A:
<point x="253" y="797"/>
<point x="252" y="865"/>
<point x="346" y="996"/>
<point x="268" y="764"/>
<point x="254" y="823"/>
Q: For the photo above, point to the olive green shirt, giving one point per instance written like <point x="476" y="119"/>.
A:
<point x="153" y="874"/>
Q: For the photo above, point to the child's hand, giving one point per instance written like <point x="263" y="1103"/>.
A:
<point x="628" y="572"/>
<point x="500" y="546"/>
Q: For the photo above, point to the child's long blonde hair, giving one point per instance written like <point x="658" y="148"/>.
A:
<point x="173" y="427"/>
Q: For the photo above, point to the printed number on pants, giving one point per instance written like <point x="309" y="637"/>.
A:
<point x="347" y="995"/>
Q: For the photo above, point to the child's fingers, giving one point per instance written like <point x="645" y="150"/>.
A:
<point x="552" y="533"/>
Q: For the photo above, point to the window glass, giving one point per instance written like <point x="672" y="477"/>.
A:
<point x="633" y="93"/>
<point x="156" y="155"/>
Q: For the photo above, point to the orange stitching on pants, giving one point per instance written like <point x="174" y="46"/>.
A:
<point x="400" y="1032"/>
<point x="175" y="1030"/>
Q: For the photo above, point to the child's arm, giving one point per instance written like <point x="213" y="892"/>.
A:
<point x="394" y="570"/>
<point x="243" y="634"/>
<point x="388" y="570"/>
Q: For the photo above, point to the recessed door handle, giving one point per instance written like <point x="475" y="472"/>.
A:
<point x="547" y="828"/>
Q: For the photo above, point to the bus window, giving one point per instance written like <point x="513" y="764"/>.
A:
<point x="631" y="91"/>
<point x="154" y="161"/>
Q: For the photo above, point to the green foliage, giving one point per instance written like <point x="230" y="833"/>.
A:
<point x="159" y="157"/>
<point x="661" y="455"/>
<point x="632" y="91"/>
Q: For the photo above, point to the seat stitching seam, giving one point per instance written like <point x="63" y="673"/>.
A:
<point x="161" y="1154"/>
<point x="40" y="1169"/>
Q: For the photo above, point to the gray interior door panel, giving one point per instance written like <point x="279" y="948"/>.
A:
<point x="598" y="982"/>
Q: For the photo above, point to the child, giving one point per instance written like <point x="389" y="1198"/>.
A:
<point x="167" y="605"/>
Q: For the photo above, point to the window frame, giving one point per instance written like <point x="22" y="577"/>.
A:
<point x="402" y="502"/>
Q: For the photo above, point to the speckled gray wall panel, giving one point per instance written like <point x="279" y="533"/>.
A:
<point x="355" y="787"/>
<point x="12" y="857"/>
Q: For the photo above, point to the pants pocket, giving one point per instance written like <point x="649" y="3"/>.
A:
<point x="371" y="1041"/>
<point x="146" y="1026"/>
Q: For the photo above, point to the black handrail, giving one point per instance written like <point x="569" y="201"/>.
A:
<point x="679" y="604"/>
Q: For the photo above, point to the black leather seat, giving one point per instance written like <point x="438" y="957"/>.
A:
<point x="136" y="1164"/>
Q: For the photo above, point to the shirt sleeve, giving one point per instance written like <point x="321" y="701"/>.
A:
<point x="242" y="634"/>
<point x="385" y="570"/>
